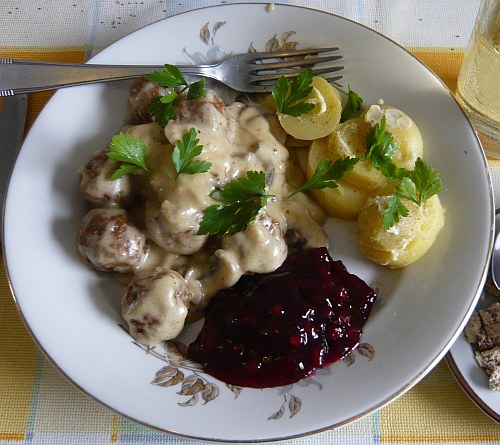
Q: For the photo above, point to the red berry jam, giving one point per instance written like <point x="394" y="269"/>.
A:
<point x="277" y="328"/>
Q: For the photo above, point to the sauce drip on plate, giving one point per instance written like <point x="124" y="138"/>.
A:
<point x="274" y="329"/>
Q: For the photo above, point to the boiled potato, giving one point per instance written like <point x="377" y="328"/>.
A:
<point x="320" y="121"/>
<point x="407" y="240"/>
<point x="405" y="132"/>
<point x="348" y="139"/>
<point x="345" y="201"/>
<point x="269" y="103"/>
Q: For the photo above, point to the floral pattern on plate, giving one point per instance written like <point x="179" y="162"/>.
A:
<point x="197" y="387"/>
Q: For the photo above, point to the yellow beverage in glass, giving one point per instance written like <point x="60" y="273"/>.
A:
<point x="479" y="79"/>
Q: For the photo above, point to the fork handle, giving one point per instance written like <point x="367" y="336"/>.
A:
<point x="25" y="76"/>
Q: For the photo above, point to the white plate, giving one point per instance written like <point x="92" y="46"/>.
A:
<point x="73" y="313"/>
<point x="470" y="376"/>
<point x="464" y="367"/>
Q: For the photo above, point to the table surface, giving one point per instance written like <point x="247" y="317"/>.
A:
<point x="37" y="404"/>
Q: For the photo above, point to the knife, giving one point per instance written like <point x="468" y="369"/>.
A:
<point x="12" y="122"/>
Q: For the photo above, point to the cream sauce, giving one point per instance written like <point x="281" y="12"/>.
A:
<point x="395" y="119"/>
<point x="235" y="139"/>
<point x="156" y="306"/>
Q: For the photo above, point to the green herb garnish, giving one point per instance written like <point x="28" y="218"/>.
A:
<point x="162" y="108"/>
<point x="240" y="202"/>
<point x="418" y="186"/>
<point x="380" y="144"/>
<point x="395" y="209"/>
<point x="185" y="149"/>
<point x="326" y="174"/>
<point x="353" y="105"/>
<point x="426" y="180"/>
<point x="289" y="93"/>
<point x="380" y="147"/>
<point x="130" y="151"/>
<point x="170" y="76"/>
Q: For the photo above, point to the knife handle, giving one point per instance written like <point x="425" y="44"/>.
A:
<point x="18" y="76"/>
<point x="12" y="122"/>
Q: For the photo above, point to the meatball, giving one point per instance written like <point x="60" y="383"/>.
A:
<point x="239" y="256"/>
<point x="303" y="231"/>
<point x="172" y="230"/>
<point x="266" y="233"/>
<point x="155" y="306"/>
<point x="110" y="242"/>
<point x="97" y="186"/>
<point x="141" y="95"/>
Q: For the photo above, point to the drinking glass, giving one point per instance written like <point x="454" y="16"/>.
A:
<point x="478" y="89"/>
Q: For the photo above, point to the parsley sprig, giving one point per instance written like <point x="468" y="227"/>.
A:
<point x="394" y="211"/>
<point x="421" y="183"/>
<point x="242" y="199"/>
<point x="128" y="150"/>
<point x="170" y="76"/>
<point x="326" y="174"/>
<point x="289" y="94"/>
<point x="185" y="149"/>
<point x="417" y="185"/>
<point x="239" y="204"/>
<point x="380" y="148"/>
<point x="352" y="106"/>
<point x="426" y="183"/>
<point x="162" y="108"/>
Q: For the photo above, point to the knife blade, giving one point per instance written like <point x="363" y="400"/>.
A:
<point x="12" y="122"/>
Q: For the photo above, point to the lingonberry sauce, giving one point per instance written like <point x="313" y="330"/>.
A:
<point x="277" y="328"/>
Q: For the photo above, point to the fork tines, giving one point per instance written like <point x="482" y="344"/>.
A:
<point x="293" y="53"/>
<point x="271" y="66"/>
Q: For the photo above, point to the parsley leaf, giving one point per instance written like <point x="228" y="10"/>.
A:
<point x="353" y="105"/>
<point x="407" y="189"/>
<point x="129" y="150"/>
<point x="327" y="173"/>
<point x="240" y="202"/>
<point x="287" y="94"/>
<point x="380" y="147"/>
<point x="122" y="170"/>
<point x="169" y="76"/>
<point x="185" y="150"/>
<point x="418" y="186"/>
<point x="394" y="211"/>
<point x="196" y="89"/>
<point x="426" y="179"/>
<point x="379" y="143"/>
<point x="162" y="108"/>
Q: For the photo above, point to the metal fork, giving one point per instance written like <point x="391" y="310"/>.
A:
<point x="248" y="73"/>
